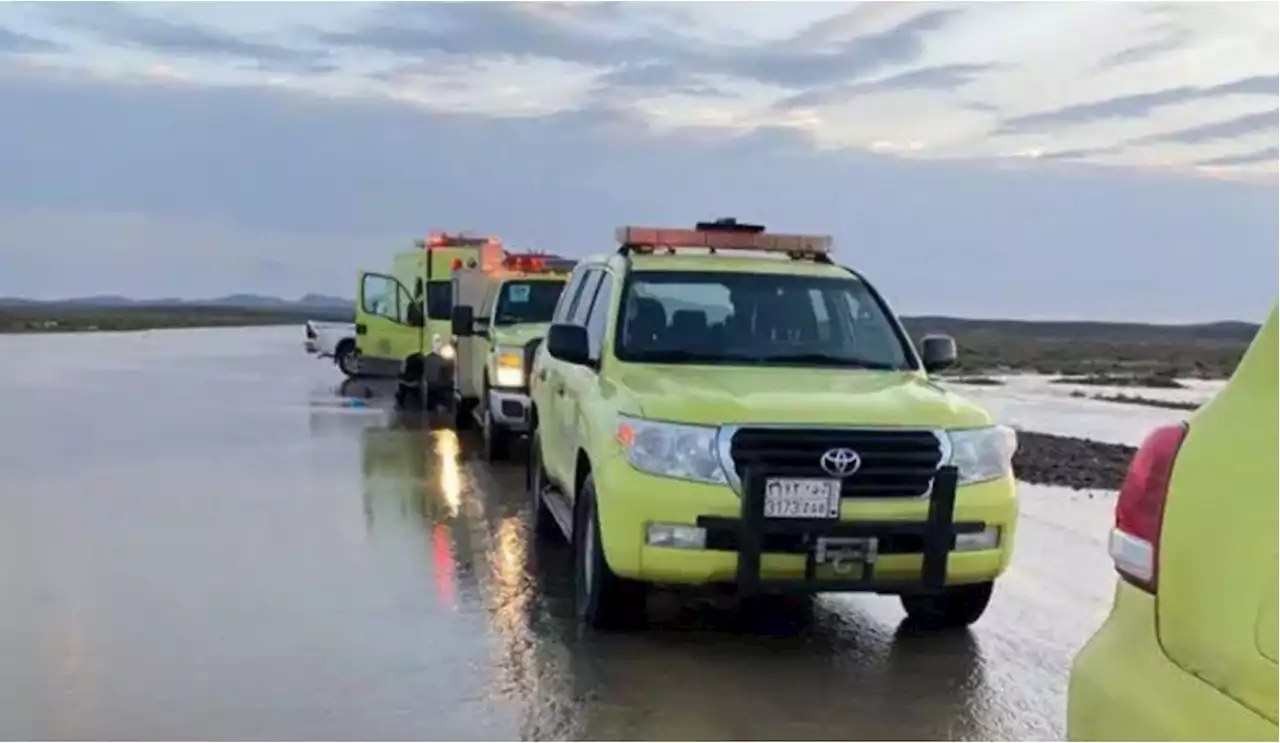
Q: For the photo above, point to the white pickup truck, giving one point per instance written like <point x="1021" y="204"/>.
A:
<point x="334" y="340"/>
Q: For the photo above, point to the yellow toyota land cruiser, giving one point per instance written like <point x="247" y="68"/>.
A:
<point x="724" y="406"/>
<point x="1189" y="649"/>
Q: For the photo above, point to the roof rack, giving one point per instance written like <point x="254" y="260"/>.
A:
<point x="723" y="234"/>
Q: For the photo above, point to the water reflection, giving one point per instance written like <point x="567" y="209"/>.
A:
<point x="840" y="668"/>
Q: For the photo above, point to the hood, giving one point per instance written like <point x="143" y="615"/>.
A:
<point x="722" y="394"/>
<point x="517" y="335"/>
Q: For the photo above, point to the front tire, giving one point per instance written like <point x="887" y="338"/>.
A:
<point x="602" y="599"/>
<point x="496" y="439"/>
<point x="347" y="360"/>
<point x="955" y="607"/>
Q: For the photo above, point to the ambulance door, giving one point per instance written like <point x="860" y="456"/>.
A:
<point x="386" y="332"/>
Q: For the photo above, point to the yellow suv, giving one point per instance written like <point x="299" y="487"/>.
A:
<point x="724" y="406"/>
<point x="1189" y="650"/>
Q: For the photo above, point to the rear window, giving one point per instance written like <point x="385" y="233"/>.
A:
<point x="439" y="300"/>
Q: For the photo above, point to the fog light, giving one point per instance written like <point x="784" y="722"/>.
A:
<point x="676" y="536"/>
<point x="987" y="539"/>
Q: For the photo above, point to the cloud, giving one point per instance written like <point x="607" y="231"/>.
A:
<point x="1264" y="122"/>
<point x="181" y="189"/>
<point x="115" y="23"/>
<point x="945" y="78"/>
<point x="1266" y="155"/>
<point x="15" y="43"/>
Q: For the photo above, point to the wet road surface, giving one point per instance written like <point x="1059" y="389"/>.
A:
<point x="200" y="539"/>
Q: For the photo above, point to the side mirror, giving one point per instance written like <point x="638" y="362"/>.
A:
<point x="414" y="315"/>
<point x="568" y="343"/>
<point x="938" y="352"/>
<point x="463" y="321"/>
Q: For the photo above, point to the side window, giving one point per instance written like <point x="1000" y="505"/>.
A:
<point x="379" y="295"/>
<point x="578" y="313"/>
<point x="818" y="299"/>
<point x="405" y="304"/>
<point x="570" y="293"/>
<point x="598" y="320"/>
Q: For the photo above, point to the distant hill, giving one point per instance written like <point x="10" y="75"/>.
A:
<point x="231" y="301"/>
<point x="325" y="306"/>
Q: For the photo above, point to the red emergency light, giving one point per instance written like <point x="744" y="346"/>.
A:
<point x="525" y="263"/>
<point x="445" y="240"/>
<point x="456" y="264"/>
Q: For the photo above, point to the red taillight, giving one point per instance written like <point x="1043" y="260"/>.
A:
<point x="1135" y="541"/>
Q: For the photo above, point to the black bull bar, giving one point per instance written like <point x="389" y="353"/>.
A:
<point x="935" y="537"/>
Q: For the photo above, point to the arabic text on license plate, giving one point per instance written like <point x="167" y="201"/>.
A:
<point x="791" y="498"/>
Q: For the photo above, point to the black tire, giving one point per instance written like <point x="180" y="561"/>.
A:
<point x="464" y="414"/>
<point x="495" y="440"/>
<point x="602" y="600"/>
<point x="544" y="524"/>
<point x="346" y="359"/>
<point x="953" y="608"/>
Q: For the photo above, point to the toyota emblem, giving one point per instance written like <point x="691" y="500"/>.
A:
<point x="840" y="462"/>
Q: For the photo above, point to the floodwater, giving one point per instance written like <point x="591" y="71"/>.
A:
<point x="1033" y="402"/>
<point x="201" y="539"/>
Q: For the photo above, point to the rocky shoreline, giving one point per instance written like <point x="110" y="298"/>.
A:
<point x="1082" y="464"/>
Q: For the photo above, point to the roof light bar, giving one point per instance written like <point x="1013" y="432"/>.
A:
<point x="445" y="240"/>
<point x="720" y="236"/>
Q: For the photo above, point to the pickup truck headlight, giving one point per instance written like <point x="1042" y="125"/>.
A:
<point x="671" y="450"/>
<point x="981" y="454"/>
<point x="508" y="367"/>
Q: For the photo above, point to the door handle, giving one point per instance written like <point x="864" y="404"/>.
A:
<point x="560" y="390"/>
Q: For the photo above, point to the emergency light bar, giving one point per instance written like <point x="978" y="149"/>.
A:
<point x="445" y="240"/>
<point x="725" y="234"/>
<point x="537" y="263"/>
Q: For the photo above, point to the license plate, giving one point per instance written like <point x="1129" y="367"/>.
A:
<point x="801" y="498"/>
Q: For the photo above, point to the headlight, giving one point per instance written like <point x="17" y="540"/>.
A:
<point x="508" y="367"/>
<point x="671" y="450"/>
<point x="981" y="454"/>
<point x="442" y="347"/>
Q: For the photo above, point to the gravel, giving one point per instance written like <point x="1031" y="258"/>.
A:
<point x="1082" y="464"/>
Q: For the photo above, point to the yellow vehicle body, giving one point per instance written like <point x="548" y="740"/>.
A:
<point x="505" y="311"/>
<point x="659" y="528"/>
<point x="404" y="312"/>
<point x="1194" y="657"/>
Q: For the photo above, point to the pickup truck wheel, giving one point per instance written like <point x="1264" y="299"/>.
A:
<point x="955" y="607"/>
<point x="497" y="440"/>
<point x="544" y="524"/>
<point x="602" y="599"/>
<point x="464" y="415"/>
<point x="347" y="360"/>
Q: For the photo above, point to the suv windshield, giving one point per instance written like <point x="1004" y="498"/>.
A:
<point x="716" y="318"/>
<point x="527" y="302"/>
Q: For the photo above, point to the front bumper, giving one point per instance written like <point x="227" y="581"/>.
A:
<point x="916" y="543"/>
<point x="510" y="409"/>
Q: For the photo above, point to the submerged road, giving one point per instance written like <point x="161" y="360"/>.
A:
<point x="198" y="540"/>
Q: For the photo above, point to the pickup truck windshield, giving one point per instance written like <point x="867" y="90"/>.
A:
<point x="527" y="302"/>
<point x="751" y="318"/>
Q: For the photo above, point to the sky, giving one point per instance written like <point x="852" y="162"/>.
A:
<point x="1085" y="160"/>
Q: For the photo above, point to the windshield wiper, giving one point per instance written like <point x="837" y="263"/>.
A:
<point x="824" y="358"/>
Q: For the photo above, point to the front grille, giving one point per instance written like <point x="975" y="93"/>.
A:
<point x="895" y="464"/>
